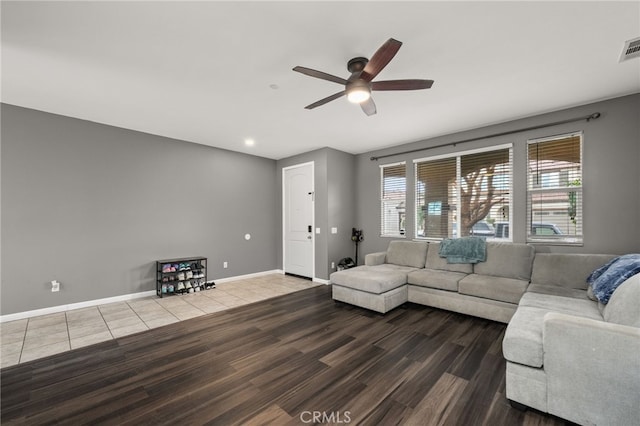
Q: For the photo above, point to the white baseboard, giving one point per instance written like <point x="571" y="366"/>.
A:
<point x="72" y="306"/>
<point x="247" y="276"/>
<point x="122" y="298"/>
<point x="258" y="274"/>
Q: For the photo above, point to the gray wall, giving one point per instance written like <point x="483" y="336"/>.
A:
<point x="341" y="205"/>
<point x="94" y="206"/>
<point x="611" y="175"/>
<point x="334" y="177"/>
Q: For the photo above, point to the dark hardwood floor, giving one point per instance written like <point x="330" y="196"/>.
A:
<point x="293" y="360"/>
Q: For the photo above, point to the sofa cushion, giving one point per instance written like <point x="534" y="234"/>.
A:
<point x="434" y="261"/>
<point x="509" y="260"/>
<point x="434" y="278"/>
<point x="624" y="305"/>
<point x="522" y="341"/>
<point x="555" y="290"/>
<point x="407" y="253"/>
<point x="497" y="288"/>
<point x="372" y="279"/>
<point x="566" y="305"/>
<point x="568" y="270"/>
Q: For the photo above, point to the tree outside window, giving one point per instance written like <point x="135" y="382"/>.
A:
<point x="464" y="194"/>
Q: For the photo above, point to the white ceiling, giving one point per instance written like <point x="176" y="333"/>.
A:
<point x="204" y="71"/>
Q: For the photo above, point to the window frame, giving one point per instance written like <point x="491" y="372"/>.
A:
<point x="545" y="189"/>
<point x="383" y="231"/>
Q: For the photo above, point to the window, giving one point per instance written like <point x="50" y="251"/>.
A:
<point x="435" y="184"/>
<point x="393" y="192"/>
<point x="465" y="194"/>
<point x="554" y="190"/>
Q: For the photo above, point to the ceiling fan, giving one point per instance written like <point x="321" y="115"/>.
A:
<point x="359" y="85"/>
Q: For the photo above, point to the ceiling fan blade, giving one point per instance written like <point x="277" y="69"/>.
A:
<point x="380" y="59"/>
<point x="325" y="100"/>
<point x="368" y="106"/>
<point x="319" y="74"/>
<point x="401" y="84"/>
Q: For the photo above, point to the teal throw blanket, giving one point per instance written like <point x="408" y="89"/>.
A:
<point x="464" y="249"/>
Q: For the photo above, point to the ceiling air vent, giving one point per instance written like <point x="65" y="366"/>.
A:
<point x="631" y="50"/>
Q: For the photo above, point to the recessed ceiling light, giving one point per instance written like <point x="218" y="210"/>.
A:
<point x="249" y="142"/>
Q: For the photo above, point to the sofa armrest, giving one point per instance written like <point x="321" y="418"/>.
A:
<point x="373" y="259"/>
<point x="592" y="369"/>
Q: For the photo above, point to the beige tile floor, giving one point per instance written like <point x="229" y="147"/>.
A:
<point x="28" y="339"/>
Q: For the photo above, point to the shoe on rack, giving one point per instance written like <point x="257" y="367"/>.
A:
<point x="181" y="276"/>
<point x="188" y="285"/>
<point x="166" y="268"/>
<point x="170" y="288"/>
<point x="164" y="289"/>
<point x="180" y="286"/>
<point x="189" y="275"/>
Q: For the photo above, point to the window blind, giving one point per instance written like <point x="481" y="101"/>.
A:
<point x="436" y="199"/>
<point x="467" y="194"/>
<point x="393" y="191"/>
<point x="554" y="198"/>
<point x="485" y="191"/>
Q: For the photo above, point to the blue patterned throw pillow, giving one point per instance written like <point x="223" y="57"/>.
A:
<point x="606" y="279"/>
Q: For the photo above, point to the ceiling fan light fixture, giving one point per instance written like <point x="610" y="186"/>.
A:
<point x="359" y="85"/>
<point x="358" y="95"/>
<point x="358" y="91"/>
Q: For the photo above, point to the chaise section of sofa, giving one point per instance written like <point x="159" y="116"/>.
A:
<point x="380" y="284"/>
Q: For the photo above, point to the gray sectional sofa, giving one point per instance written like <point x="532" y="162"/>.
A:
<point x="415" y="272"/>
<point x="566" y="354"/>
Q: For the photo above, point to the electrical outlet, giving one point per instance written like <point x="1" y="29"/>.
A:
<point x="55" y="286"/>
<point x="333" y="265"/>
<point x="225" y="265"/>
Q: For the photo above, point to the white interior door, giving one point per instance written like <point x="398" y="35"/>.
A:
<point x="298" y="247"/>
